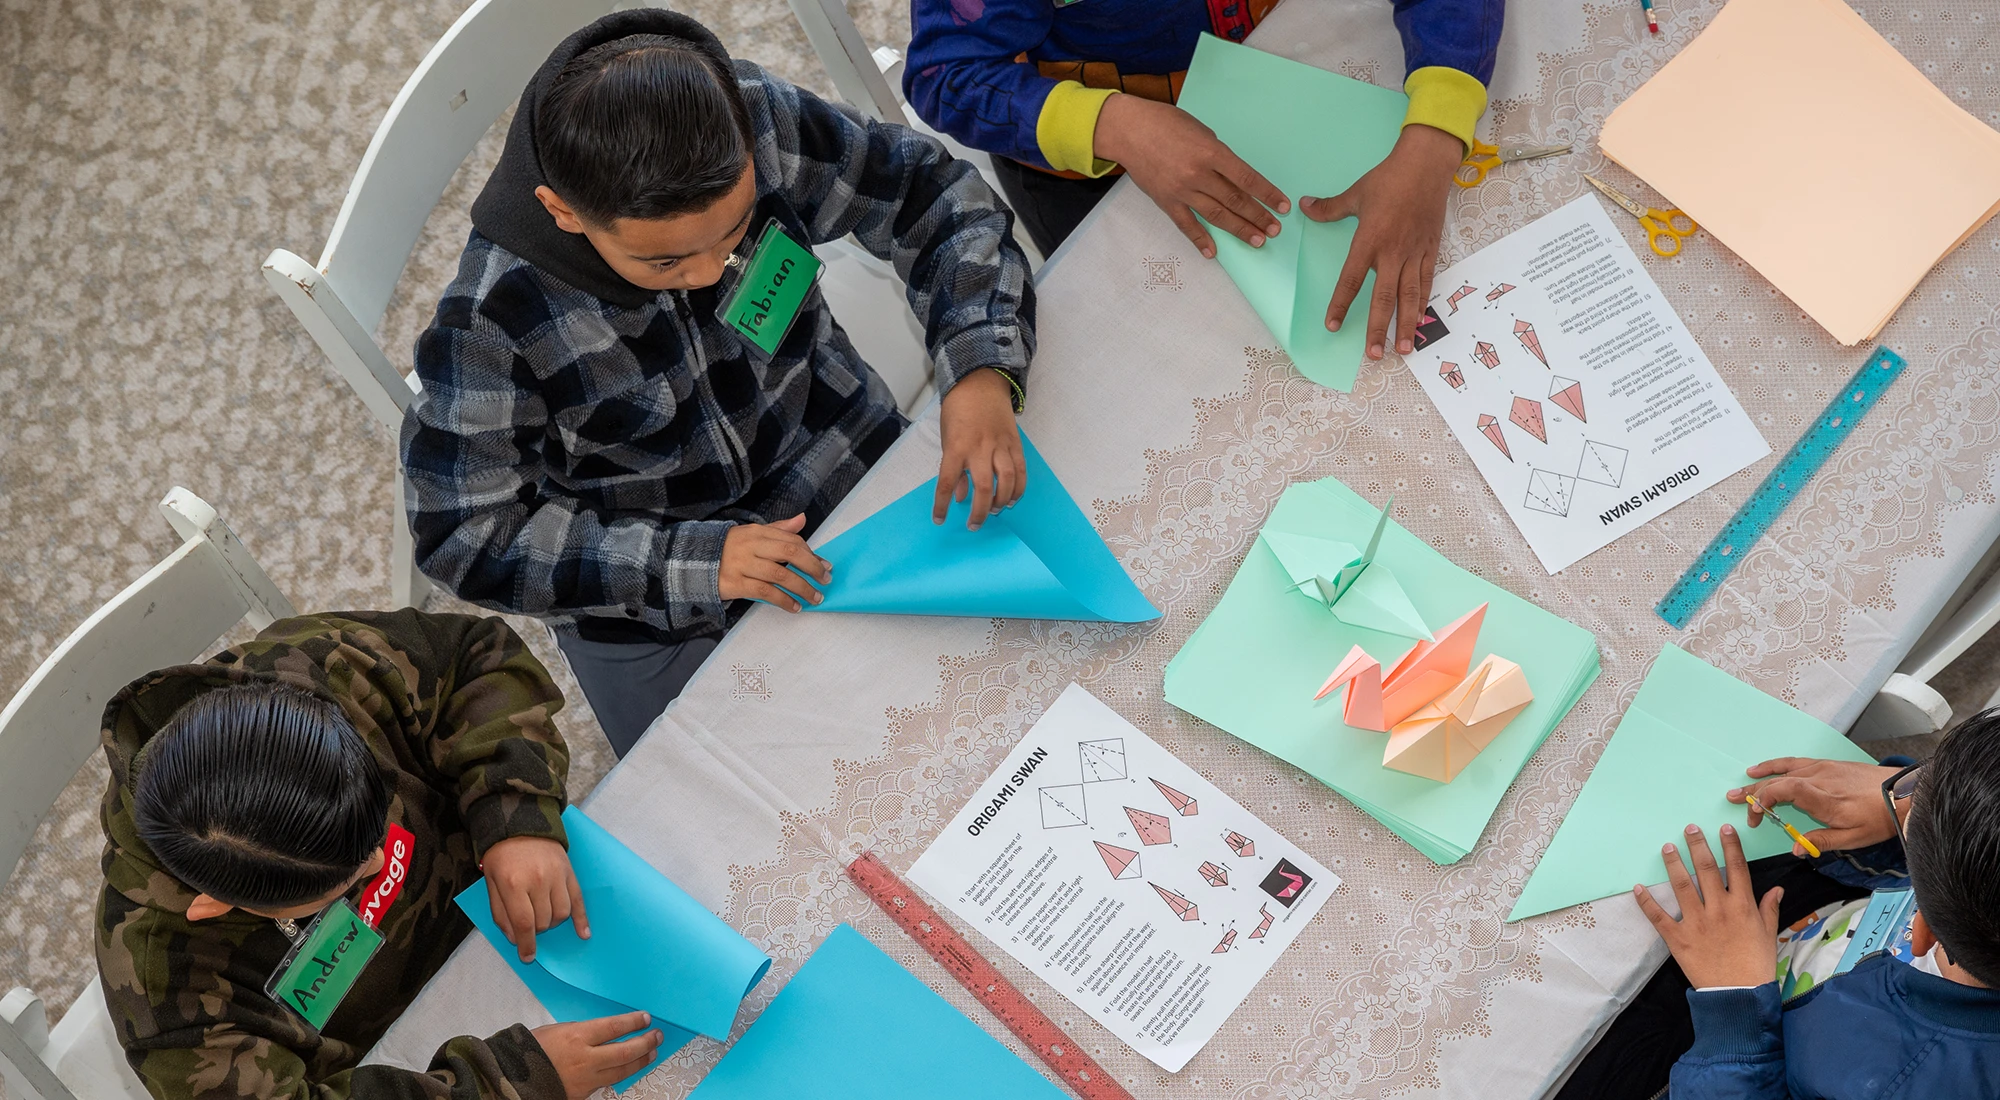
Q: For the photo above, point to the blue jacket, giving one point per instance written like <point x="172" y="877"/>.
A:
<point x="977" y="68"/>
<point x="1882" y="1031"/>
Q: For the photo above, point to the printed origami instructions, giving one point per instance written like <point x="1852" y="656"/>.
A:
<point x="1438" y="710"/>
<point x="1348" y="582"/>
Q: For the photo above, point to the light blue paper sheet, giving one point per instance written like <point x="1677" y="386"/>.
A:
<point x="1310" y="132"/>
<point x="651" y="947"/>
<point x="854" y="1025"/>
<point x="1040" y="559"/>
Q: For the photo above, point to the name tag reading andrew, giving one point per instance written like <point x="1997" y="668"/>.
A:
<point x="776" y="278"/>
<point x="324" y="964"/>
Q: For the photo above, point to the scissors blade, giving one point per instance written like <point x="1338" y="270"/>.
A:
<point x="1531" y="152"/>
<point x="1616" y="196"/>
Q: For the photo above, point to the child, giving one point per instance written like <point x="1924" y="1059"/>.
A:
<point x="1884" y="1028"/>
<point x="1033" y="82"/>
<point x="370" y="758"/>
<point x="595" y="445"/>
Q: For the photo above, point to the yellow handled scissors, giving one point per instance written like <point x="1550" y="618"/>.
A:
<point x="1484" y="158"/>
<point x="1664" y="228"/>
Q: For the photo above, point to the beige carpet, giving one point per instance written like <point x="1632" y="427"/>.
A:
<point x="151" y="154"/>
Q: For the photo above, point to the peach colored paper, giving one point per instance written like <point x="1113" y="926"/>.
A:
<point x="1804" y="142"/>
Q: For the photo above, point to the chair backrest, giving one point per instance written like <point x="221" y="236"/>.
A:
<point x="168" y="616"/>
<point x="856" y="72"/>
<point x="469" y="78"/>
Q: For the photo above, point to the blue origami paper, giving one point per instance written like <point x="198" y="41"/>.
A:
<point x="1040" y="559"/>
<point x="852" y="1024"/>
<point x="651" y="948"/>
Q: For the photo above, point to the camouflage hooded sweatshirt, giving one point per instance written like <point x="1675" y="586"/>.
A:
<point x="458" y="712"/>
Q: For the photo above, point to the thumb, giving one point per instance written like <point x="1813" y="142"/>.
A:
<point x="1330" y="209"/>
<point x="1769" y="907"/>
<point x="793" y="525"/>
<point x="1820" y="838"/>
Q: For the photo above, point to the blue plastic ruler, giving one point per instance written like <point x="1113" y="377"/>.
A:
<point x="1785" y="482"/>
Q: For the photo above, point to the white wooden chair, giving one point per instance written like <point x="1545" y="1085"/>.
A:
<point x="473" y="74"/>
<point x="171" y="615"/>
<point x="1907" y="705"/>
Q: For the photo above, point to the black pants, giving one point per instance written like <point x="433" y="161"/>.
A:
<point x="1632" y="1060"/>
<point x="1049" y="206"/>
<point x="629" y="684"/>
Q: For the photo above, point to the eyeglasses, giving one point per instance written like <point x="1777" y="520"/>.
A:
<point x="1897" y="788"/>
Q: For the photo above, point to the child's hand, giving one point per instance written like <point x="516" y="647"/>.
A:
<point x="1401" y="206"/>
<point x="1843" y="793"/>
<point x="981" y="446"/>
<point x="533" y="890"/>
<point x="1724" y="937"/>
<point x="754" y="556"/>
<point x="1186" y="170"/>
<point x="588" y="1056"/>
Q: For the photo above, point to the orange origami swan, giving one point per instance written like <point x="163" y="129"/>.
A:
<point x="1438" y="710"/>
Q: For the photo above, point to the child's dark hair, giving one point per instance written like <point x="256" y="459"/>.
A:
<point x="1953" y="831"/>
<point x="644" y="126"/>
<point x="260" y="795"/>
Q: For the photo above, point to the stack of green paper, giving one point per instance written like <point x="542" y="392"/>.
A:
<point x="1310" y="132"/>
<point x="1686" y="740"/>
<point x="1253" y="666"/>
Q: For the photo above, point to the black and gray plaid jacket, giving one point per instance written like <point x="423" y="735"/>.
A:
<point x="581" y="458"/>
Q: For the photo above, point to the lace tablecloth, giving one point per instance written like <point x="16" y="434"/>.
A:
<point x="1161" y="402"/>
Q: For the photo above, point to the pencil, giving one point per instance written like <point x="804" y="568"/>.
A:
<point x="1808" y="845"/>
<point x="1651" y="21"/>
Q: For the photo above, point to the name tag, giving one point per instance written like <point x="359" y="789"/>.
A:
<point x="777" y="276"/>
<point x="324" y="964"/>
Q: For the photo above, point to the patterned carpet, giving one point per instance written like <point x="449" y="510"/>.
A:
<point x="151" y="154"/>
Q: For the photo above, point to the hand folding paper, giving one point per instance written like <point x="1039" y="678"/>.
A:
<point x="1349" y="582"/>
<point x="1683" y="743"/>
<point x="1040" y="559"/>
<point x="1310" y="132"/>
<point x="651" y="947"/>
<point x="852" y="1024"/>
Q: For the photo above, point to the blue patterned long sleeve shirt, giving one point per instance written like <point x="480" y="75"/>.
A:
<point x="582" y="460"/>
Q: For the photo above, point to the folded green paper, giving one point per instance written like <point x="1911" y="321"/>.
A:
<point x="1687" y="739"/>
<point x="1310" y="132"/>
<point x="1253" y="666"/>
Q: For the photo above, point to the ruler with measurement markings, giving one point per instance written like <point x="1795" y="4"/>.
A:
<point x="1783" y="485"/>
<point x="1072" y="1066"/>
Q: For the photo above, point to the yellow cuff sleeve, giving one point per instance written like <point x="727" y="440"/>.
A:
<point x="1442" y="97"/>
<point x="1067" y="128"/>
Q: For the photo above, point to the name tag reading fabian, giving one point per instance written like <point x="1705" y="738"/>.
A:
<point x="776" y="277"/>
<point x="324" y="964"/>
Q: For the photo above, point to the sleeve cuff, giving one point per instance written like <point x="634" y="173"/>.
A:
<point x="1066" y="130"/>
<point x="1735" y="1024"/>
<point x="504" y="815"/>
<point x="525" y="1064"/>
<point x="1441" y="97"/>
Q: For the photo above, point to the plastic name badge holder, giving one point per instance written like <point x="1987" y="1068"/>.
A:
<point x="775" y="278"/>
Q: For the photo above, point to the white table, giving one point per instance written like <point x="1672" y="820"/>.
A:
<point x="1160" y="401"/>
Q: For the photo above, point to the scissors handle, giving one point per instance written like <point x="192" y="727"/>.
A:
<point x="1664" y="230"/>
<point x="1479" y="160"/>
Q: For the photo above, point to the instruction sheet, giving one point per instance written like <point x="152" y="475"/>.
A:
<point x="1126" y="881"/>
<point x="1583" y="399"/>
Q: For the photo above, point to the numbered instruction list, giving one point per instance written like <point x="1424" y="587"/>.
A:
<point x="1126" y="881"/>
<point x="1583" y="399"/>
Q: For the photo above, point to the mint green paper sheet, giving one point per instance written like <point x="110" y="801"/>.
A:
<point x="1310" y="132"/>
<point x="852" y="1024"/>
<point x="1687" y="738"/>
<point x="651" y="947"/>
<point x="1040" y="559"/>
<point x="1252" y="667"/>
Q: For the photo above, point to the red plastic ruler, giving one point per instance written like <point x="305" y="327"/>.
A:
<point x="1072" y="1066"/>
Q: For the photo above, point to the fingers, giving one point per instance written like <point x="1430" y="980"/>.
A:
<point x="1768" y="907"/>
<point x="1353" y="274"/>
<point x="982" y="494"/>
<point x="1005" y="491"/>
<point x="1677" y="876"/>
<point x="1732" y="856"/>
<point x="617" y="1061"/>
<point x="1230" y="221"/>
<point x="1020" y="473"/>
<point x="541" y="901"/>
<point x="1381" y="304"/>
<point x="793" y="525"/>
<point x="1190" y="228"/>
<point x="765" y="591"/>
<point x="1409" y="306"/>
<point x="950" y="474"/>
<point x="1823" y="839"/>
<point x="1331" y="209"/>
<point x="604" y="1029"/>
<point x="502" y="918"/>
<point x="576" y="914"/>
<point x="1239" y="172"/>
<point x="791" y="549"/>
<point x="1656" y="913"/>
<point x="1777" y="766"/>
<point x="1707" y="875"/>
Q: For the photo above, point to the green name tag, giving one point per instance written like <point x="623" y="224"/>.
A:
<point x="776" y="278"/>
<point x="324" y="964"/>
